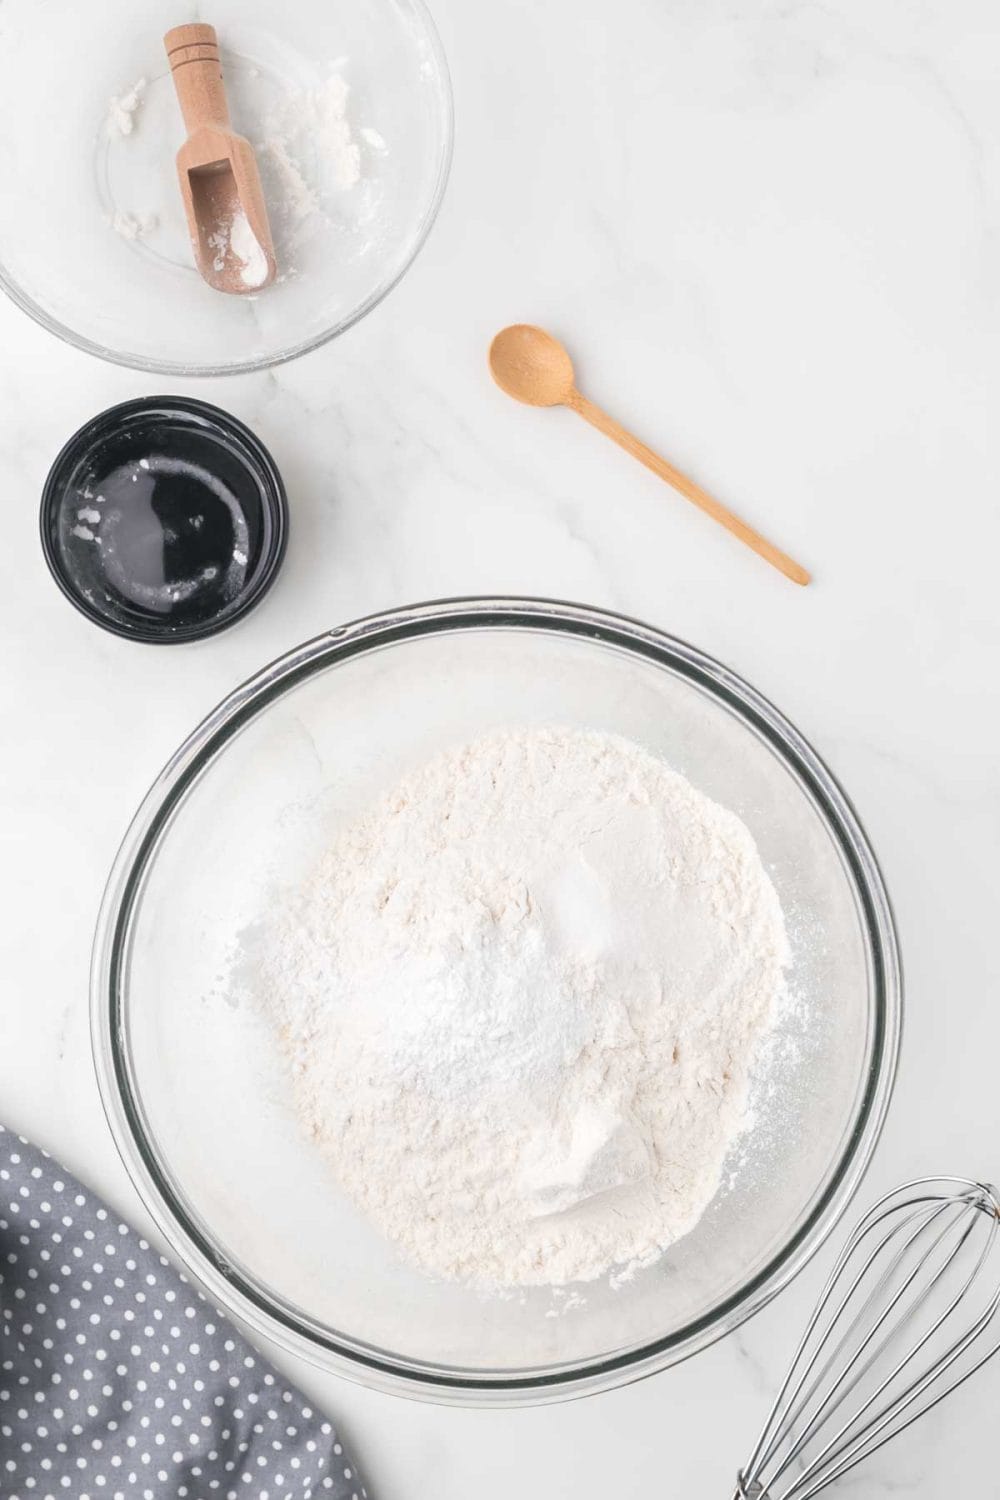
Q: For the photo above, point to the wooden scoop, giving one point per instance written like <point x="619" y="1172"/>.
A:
<point x="220" y="183"/>
<point x="532" y="366"/>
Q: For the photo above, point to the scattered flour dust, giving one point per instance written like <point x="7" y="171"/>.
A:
<point x="234" y="240"/>
<point x="123" y="108"/>
<point x="521" y="998"/>
<point x="123" y="114"/>
<point x="133" y="226"/>
<point x="314" y="120"/>
<point x="309" y="149"/>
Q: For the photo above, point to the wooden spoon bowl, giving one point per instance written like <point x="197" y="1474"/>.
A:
<point x="533" y="367"/>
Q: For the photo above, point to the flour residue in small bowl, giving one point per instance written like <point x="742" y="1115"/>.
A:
<point x="234" y="240"/>
<point x="314" y="150"/>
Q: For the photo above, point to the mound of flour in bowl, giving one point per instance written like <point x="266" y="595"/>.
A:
<point x="521" y="997"/>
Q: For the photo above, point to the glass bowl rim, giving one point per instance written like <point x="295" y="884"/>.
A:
<point x="197" y="369"/>
<point x="253" y="453"/>
<point x="265" y="1313"/>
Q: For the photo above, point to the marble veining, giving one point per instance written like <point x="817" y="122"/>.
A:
<point x="768" y="233"/>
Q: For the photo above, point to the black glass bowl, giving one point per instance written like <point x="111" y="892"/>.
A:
<point x="164" y="519"/>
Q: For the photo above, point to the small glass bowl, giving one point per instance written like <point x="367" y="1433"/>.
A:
<point x="93" y="238"/>
<point x="199" y="1099"/>
<point x="192" y="534"/>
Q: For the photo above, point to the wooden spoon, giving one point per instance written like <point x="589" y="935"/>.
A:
<point x="220" y="183"/>
<point x="532" y="366"/>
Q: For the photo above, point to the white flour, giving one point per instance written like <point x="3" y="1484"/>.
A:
<point x="311" y="123"/>
<point x="521" y="997"/>
<point x="133" y="226"/>
<point x="311" y="153"/>
<point x="123" y="108"/>
<point x="235" y="239"/>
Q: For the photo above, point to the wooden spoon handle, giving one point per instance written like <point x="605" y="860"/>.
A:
<point x="193" y="52"/>
<point x="693" y="492"/>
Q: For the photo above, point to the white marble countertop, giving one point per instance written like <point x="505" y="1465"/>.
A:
<point x="770" y="233"/>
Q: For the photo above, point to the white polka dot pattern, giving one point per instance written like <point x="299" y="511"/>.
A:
<point x="119" y="1381"/>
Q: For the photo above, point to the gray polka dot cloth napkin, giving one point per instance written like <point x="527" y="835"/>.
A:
<point x="119" y="1381"/>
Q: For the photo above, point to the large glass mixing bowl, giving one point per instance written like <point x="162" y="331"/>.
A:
<point x="196" y="1091"/>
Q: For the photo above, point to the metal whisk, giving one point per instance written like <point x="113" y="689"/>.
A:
<point x="900" y="1325"/>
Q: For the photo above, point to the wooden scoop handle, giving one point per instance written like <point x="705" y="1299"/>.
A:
<point x="193" y="53"/>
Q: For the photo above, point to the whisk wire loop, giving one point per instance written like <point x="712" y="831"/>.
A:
<point x="837" y="1393"/>
<point x="852" y="1435"/>
<point x="787" y="1398"/>
<point x="882" y="1348"/>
